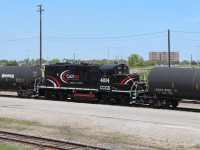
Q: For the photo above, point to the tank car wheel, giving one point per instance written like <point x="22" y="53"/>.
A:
<point x="166" y="104"/>
<point x="28" y="96"/>
<point x="151" y="103"/>
<point x="174" y="103"/>
<point x="19" y="94"/>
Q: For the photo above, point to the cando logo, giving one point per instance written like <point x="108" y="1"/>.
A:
<point x="72" y="76"/>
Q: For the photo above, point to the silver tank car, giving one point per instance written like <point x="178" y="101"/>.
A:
<point x="21" y="79"/>
<point x="179" y="83"/>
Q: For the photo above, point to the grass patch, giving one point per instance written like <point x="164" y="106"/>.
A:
<point x="18" y="122"/>
<point x="4" y="146"/>
<point x="196" y="147"/>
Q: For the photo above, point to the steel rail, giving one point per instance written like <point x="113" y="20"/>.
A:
<point x="45" y="142"/>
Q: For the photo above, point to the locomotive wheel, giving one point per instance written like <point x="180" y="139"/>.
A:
<point x="47" y="94"/>
<point x="119" y="98"/>
<point x="63" y="95"/>
<point x="59" y="95"/>
<point x="125" y="100"/>
<point x="105" y="98"/>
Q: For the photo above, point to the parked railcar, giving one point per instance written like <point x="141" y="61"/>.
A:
<point x="170" y="85"/>
<point x="105" y="83"/>
<point x="22" y="79"/>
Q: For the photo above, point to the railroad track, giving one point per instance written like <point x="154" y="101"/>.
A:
<point x="44" y="143"/>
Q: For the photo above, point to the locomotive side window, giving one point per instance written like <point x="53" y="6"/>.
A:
<point x="126" y="70"/>
<point x="119" y="68"/>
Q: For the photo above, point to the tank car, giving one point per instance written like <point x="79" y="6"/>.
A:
<point x="21" y="79"/>
<point x="104" y="83"/>
<point x="170" y="85"/>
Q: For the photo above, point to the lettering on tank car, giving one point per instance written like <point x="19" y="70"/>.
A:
<point x="106" y="88"/>
<point x="35" y="73"/>
<point x="164" y="91"/>
<point x="105" y="80"/>
<point x="8" y="76"/>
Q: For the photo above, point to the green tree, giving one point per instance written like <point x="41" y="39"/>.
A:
<point x="54" y="61"/>
<point x="155" y="62"/>
<point x="193" y="63"/>
<point x="135" y="61"/>
<point x="12" y="63"/>
<point x="185" y="62"/>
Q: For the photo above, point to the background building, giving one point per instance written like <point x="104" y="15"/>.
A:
<point x="163" y="56"/>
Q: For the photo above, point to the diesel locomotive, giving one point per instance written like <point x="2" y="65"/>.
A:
<point x="104" y="83"/>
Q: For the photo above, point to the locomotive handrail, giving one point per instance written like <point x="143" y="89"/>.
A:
<point x="132" y="85"/>
<point x="36" y="84"/>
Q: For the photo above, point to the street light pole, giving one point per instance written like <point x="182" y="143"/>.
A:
<point x="40" y="10"/>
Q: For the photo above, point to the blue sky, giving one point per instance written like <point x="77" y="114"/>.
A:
<point x="88" y="27"/>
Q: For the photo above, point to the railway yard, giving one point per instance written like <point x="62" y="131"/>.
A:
<point x="107" y="126"/>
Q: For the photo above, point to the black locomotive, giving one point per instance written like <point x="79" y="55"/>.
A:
<point x="105" y="83"/>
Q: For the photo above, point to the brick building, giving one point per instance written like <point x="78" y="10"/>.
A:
<point x="163" y="56"/>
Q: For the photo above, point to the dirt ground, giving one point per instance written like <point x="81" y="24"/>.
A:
<point x="108" y="132"/>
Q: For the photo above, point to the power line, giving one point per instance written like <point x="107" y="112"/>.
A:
<point x="22" y="39"/>
<point x="186" y="32"/>
<point x="105" y="38"/>
<point x="99" y="40"/>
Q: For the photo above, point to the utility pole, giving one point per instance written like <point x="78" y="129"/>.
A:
<point x="168" y="48"/>
<point x="74" y="58"/>
<point x="28" y="59"/>
<point x="118" y="55"/>
<point x="108" y="54"/>
<point x="40" y="10"/>
<point x="47" y="57"/>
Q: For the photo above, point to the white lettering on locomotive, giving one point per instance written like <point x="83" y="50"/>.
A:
<point x="105" y="80"/>
<point x="106" y="88"/>
<point x="72" y="76"/>
<point x="7" y="76"/>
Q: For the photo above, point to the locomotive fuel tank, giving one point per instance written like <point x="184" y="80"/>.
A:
<point x="177" y="83"/>
<point x="15" y="78"/>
